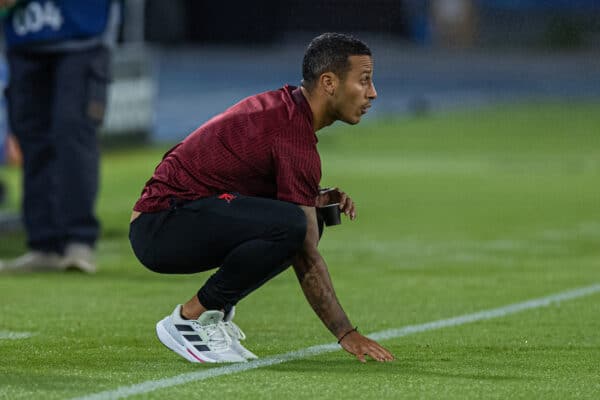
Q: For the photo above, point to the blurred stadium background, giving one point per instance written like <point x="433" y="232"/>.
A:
<point x="430" y="55"/>
<point x="182" y="61"/>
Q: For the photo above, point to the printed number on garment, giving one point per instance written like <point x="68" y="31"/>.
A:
<point x="37" y="16"/>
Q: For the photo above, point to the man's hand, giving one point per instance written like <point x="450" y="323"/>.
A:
<point x="334" y="195"/>
<point x="359" y="345"/>
<point x="312" y="273"/>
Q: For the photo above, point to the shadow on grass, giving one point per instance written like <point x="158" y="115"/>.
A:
<point x="469" y="375"/>
<point x="343" y="366"/>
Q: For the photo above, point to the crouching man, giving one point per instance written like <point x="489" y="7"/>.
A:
<point x="240" y="194"/>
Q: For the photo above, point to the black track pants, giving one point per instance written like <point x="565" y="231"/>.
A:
<point x="249" y="239"/>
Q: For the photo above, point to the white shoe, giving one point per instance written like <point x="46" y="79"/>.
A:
<point x="236" y="334"/>
<point x="198" y="341"/>
<point x="34" y="261"/>
<point x="79" y="256"/>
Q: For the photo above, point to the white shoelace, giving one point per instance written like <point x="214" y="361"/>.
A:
<point x="234" y="331"/>
<point x="217" y="336"/>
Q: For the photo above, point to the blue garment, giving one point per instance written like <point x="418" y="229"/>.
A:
<point x="33" y="22"/>
<point x="56" y="121"/>
<point x="59" y="59"/>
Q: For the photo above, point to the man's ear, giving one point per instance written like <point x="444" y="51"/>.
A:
<point x="329" y="82"/>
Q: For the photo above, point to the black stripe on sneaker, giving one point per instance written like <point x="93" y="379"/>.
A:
<point x="193" y="338"/>
<point x="201" y="347"/>
<point x="184" y="328"/>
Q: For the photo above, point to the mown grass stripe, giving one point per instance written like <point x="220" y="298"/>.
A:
<point x="152" y="385"/>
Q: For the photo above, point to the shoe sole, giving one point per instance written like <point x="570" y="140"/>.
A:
<point x="167" y="340"/>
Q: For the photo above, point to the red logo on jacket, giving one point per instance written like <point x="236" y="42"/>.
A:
<point x="228" y="197"/>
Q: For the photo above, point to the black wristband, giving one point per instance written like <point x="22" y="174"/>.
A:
<point x="355" y="329"/>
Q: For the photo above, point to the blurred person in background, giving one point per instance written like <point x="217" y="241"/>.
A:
<point x="58" y="53"/>
<point x="240" y="193"/>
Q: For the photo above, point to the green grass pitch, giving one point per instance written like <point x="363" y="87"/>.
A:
<point x="457" y="213"/>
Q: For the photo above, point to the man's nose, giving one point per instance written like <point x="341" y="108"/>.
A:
<point x="372" y="94"/>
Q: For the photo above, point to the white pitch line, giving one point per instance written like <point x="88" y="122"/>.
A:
<point x="149" y="386"/>
<point x="7" y="335"/>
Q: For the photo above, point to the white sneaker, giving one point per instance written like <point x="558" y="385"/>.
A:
<point x="34" y="261"/>
<point x="236" y="334"/>
<point x="79" y="256"/>
<point x="198" y="341"/>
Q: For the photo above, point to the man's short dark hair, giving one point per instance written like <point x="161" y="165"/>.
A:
<point x="329" y="52"/>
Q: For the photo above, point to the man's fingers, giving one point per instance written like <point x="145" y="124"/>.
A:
<point x="385" y="353"/>
<point x="342" y="200"/>
<point x="352" y="211"/>
<point x="347" y="205"/>
<point x="335" y="195"/>
<point x="389" y="356"/>
<point x="374" y="351"/>
<point x="378" y="355"/>
<point x="385" y="356"/>
<point x="382" y="351"/>
<point x="360" y="346"/>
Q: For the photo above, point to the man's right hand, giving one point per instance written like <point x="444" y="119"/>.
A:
<point x="361" y="346"/>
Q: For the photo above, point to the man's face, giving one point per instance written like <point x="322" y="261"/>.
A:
<point x="353" y="95"/>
